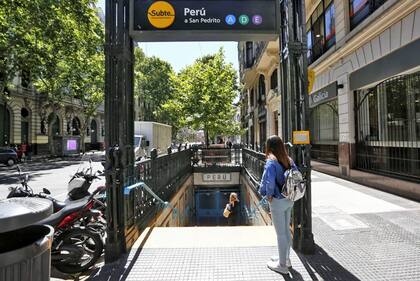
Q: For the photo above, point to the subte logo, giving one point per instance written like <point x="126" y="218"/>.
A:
<point x="161" y="14"/>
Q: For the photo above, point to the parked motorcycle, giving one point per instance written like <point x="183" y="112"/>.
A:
<point x="79" y="223"/>
<point x="77" y="244"/>
<point x="78" y="189"/>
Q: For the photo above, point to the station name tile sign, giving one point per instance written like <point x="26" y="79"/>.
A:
<point x="216" y="177"/>
<point x="204" y="15"/>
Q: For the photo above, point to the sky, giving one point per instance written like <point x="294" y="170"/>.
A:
<point x="181" y="54"/>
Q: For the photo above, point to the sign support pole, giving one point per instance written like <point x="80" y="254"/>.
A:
<point x="295" y="110"/>
<point x="119" y="125"/>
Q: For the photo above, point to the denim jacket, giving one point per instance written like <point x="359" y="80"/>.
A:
<point x="273" y="179"/>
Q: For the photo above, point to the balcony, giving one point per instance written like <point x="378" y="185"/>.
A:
<point x="249" y="56"/>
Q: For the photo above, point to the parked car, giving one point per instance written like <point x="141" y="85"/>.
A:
<point x="8" y="156"/>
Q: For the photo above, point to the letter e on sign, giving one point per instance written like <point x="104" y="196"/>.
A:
<point x="301" y="137"/>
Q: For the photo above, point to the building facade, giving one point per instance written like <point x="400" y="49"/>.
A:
<point x="26" y="117"/>
<point x="260" y="97"/>
<point x="365" y="100"/>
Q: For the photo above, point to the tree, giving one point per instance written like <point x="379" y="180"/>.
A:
<point x="153" y="85"/>
<point x="59" y="44"/>
<point x="205" y="94"/>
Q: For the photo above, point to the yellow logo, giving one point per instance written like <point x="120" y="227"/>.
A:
<point x="161" y="14"/>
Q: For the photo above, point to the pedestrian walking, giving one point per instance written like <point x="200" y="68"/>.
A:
<point x="229" y="144"/>
<point x="277" y="162"/>
<point x="232" y="209"/>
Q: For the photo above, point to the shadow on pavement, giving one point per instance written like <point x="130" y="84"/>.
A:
<point x="321" y="266"/>
<point x="119" y="270"/>
<point x="10" y="175"/>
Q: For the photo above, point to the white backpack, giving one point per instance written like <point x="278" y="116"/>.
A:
<point x="294" y="186"/>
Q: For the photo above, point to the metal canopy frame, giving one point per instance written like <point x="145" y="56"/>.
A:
<point x="119" y="113"/>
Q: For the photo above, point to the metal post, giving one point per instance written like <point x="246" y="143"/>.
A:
<point x="119" y="116"/>
<point x="295" y="110"/>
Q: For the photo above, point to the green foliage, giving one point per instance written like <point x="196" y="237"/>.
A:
<point x="205" y="94"/>
<point x="153" y="85"/>
<point x="60" y="43"/>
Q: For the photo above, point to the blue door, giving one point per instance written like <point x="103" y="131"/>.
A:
<point x="210" y="204"/>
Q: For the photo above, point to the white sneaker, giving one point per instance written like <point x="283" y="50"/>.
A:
<point x="276" y="258"/>
<point x="275" y="266"/>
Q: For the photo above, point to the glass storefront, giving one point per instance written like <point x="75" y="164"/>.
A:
<point x="388" y="127"/>
<point x="324" y="132"/>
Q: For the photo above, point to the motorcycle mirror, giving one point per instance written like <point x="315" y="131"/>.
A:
<point x="46" y="191"/>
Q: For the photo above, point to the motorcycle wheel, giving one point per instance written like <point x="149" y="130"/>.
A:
<point x="89" y="248"/>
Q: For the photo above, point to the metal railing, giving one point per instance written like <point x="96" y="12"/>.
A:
<point x="388" y="128"/>
<point x="217" y="157"/>
<point x="164" y="176"/>
<point x="254" y="163"/>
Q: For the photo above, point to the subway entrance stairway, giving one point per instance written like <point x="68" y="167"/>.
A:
<point x="360" y="234"/>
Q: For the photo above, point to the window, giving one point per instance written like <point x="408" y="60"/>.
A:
<point x="324" y="123"/>
<point x="276" y="122"/>
<point x="274" y="82"/>
<point x="309" y="44"/>
<point x="249" y="57"/>
<point x="329" y="26"/>
<point x="388" y="127"/>
<point x="320" y="30"/>
<point x="324" y="132"/>
<point x="361" y="9"/>
<point x="261" y="89"/>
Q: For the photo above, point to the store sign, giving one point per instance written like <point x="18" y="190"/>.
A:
<point x="323" y="95"/>
<point x="187" y="20"/>
<point x="216" y="177"/>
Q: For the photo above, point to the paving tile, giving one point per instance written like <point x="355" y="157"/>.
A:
<point x="386" y="247"/>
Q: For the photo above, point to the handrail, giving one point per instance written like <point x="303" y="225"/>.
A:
<point x="143" y="185"/>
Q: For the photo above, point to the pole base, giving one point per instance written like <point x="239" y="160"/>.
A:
<point x="307" y="244"/>
<point x="113" y="251"/>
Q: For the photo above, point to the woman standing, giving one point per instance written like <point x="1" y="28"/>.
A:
<point x="272" y="180"/>
<point x="234" y="208"/>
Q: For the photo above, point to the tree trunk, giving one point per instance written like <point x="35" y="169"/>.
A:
<point x="206" y="135"/>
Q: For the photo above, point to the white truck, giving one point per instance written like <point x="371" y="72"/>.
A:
<point x="149" y="135"/>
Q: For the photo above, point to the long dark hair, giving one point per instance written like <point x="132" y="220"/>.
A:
<point x="275" y="146"/>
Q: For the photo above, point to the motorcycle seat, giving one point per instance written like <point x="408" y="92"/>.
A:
<point x="69" y="208"/>
<point x="58" y="205"/>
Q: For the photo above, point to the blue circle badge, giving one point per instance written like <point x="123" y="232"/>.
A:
<point x="230" y="19"/>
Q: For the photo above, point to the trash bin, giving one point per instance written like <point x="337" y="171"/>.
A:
<point x="25" y="249"/>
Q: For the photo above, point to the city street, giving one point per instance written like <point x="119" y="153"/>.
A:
<point x="51" y="174"/>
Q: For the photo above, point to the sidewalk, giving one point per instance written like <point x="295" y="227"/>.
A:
<point x="360" y="234"/>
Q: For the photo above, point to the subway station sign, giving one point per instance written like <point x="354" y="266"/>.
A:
<point x="204" y="20"/>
